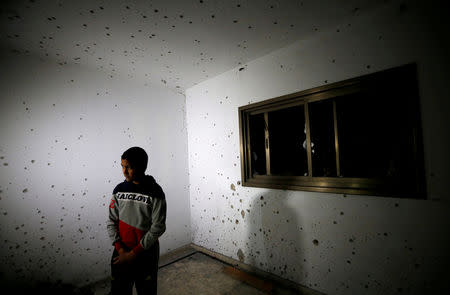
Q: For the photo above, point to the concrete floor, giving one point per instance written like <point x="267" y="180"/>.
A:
<point x="201" y="274"/>
<point x="186" y="271"/>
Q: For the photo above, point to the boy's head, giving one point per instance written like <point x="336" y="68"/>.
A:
<point x="134" y="163"/>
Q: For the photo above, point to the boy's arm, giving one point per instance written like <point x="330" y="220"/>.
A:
<point x="112" y="224"/>
<point x="158" y="227"/>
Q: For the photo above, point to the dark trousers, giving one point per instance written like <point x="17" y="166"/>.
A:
<point x="143" y="271"/>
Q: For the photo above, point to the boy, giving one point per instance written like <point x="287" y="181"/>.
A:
<point x="137" y="218"/>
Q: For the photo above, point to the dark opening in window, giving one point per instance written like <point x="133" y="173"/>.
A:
<point x="257" y="144"/>
<point x="287" y="138"/>
<point x="323" y="150"/>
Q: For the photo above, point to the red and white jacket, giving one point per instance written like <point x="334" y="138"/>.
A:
<point x="137" y="215"/>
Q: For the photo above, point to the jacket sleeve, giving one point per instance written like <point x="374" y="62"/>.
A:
<point x="112" y="224"/>
<point x="158" y="227"/>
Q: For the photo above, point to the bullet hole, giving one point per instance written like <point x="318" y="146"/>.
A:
<point x="91" y="11"/>
<point x="396" y="204"/>
<point x="337" y="31"/>
<point x="368" y="66"/>
<point x="233" y="188"/>
<point x="342" y="213"/>
<point x="25" y="190"/>
<point x="213" y="16"/>
<point x="243" y="213"/>
<point x="5" y="164"/>
<point x="261" y="198"/>
<point x="350" y="240"/>
<point x="240" y="255"/>
<point x="349" y="262"/>
<point x="156" y="10"/>
<point x="237" y="221"/>
<point x="326" y="81"/>
<point x="334" y="222"/>
<point x="315" y="242"/>
<point x="241" y="69"/>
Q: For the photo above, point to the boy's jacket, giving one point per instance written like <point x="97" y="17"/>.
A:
<point x="137" y="215"/>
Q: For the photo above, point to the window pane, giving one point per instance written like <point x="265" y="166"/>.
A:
<point x="288" y="142"/>
<point x="323" y="150"/>
<point x="257" y="144"/>
<point x="375" y="139"/>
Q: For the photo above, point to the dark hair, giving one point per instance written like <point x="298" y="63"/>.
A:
<point x="137" y="157"/>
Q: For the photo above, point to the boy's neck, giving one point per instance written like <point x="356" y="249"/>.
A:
<point x="139" y="179"/>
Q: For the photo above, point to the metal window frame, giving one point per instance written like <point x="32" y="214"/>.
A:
<point x="413" y="188"/>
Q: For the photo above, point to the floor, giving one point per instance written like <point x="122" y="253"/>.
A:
<point x="196" y="273"/>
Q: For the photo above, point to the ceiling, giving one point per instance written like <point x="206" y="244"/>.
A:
<point x="176" y="43"/>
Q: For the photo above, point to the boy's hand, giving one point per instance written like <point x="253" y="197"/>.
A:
<point x="124" y="257"/>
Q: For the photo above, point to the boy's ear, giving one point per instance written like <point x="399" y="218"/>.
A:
<point x="140" y="170"/>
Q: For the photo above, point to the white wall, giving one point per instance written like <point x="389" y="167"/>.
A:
<point x="366" y="244"/>
<point x="62" y="132"/>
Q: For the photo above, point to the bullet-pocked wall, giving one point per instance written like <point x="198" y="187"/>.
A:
<point x="63" y="129"/>
<point x="333" y="243"/>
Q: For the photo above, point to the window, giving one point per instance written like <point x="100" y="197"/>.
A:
<point x="359" y="136"/>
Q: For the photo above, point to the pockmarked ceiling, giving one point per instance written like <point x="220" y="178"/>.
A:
<point x="177" y="43"/>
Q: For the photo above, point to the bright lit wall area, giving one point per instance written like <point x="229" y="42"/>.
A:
<point x="333" y="243"/>
<point x="63" y="130"/>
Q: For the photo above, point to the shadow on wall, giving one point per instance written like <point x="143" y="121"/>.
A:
<point x="44" y="288"/>
<point x="275" y="235"/>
